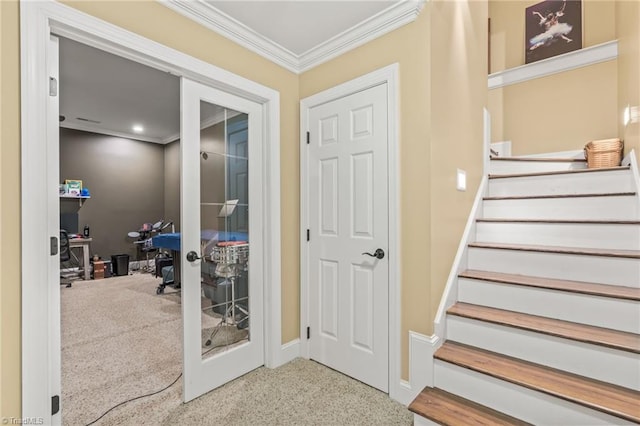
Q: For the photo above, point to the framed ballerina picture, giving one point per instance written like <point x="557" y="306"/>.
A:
<point x="552" y="27"/>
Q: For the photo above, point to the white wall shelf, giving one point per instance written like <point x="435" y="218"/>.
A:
<point x="568" y="61"/>
<point x="80" y="199"/>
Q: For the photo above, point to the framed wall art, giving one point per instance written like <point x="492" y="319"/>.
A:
<point x="552" y="27"/>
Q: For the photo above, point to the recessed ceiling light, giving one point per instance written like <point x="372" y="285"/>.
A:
<point x="138" y="128"/>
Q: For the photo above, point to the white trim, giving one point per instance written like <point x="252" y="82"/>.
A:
<point x="214" y="19"/>
<point x="568" y="61"/>
<point x="630" y="160"/>
<point x="290" y="351"/>
<point x="421" y="366"/>
<point x="38" y="20"/>
<point x="450" y="294"/>
<point x="393" y="17"/>
<point x="390" y="76"/>
<point x="486" y="145"/>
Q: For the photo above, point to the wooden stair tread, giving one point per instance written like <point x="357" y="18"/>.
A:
<point x="615" y="339"/>
<point x="604" y="290"/>
<point x="534" y="197"/>
<point x="558" y="172"/>
<point x="562" y="221"/>
<point x="611" y="399"/>
<point x="632" y="254"/>
<point x="446" y="408"/>
<point x="540" y="159"/>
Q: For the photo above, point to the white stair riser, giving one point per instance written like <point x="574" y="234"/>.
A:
<point x="511" y="167"/>
<point x="605" y="236"/>
<point x="622" y="368"/>
<point x="617" y="314"/>
<point x="418" y="420"/>
<point x="578" y="183"/>
<point x="613" y="208"/>
<point x="594" y="269"/>
<point x="528" y="405"/>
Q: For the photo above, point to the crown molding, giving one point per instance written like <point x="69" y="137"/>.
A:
<point x="392" y="18"/>
<point x="385" y="21"/>
<point x="223" y="24"/>
<point x="556" y="64"/>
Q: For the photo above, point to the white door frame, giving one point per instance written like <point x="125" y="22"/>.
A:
<point x="40" y="330"/>
<point x="388" y="75"/>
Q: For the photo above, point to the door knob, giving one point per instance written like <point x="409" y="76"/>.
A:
<point x="379" y="253"/>
<point x="192" y="256"/>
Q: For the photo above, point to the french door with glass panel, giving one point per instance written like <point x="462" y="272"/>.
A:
<point x="221" y="237"/>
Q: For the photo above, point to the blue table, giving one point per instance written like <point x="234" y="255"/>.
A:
<point x="171" y="241"/>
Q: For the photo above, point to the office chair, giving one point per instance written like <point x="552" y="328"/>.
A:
<point x="65" y="256"/>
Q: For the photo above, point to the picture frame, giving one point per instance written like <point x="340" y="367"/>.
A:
<point x="552" y="27"/>
<point x="74" y="187"/>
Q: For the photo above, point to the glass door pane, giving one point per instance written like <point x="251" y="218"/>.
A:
<point x="224" y="189"/>
<point x="222" y="284"/>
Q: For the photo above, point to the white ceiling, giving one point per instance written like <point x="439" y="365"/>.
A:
<point x="114" y="93"/>
<point x="299" y="26"/>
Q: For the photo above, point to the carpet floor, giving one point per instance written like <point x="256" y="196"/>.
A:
<point x="120" y="340"/>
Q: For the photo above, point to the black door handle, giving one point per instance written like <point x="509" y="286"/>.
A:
<point x="192" y="256"/>
<point x="378" y="254"/>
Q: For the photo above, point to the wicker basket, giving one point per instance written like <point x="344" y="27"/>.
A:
<point x="603" y="153"/>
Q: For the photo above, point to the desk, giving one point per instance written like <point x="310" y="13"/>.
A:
<point x="84" y="244"/>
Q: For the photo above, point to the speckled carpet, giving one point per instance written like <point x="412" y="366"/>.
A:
<point x="120" y="340"/>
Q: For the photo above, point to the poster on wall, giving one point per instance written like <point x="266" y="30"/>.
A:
<point x="552" y="27"/>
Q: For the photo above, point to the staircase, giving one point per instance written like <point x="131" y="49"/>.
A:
<point x="540" y="321"/>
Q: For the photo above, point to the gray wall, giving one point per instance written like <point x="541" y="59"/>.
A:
<point x="211" y="176"/>
<point x="127" y="183"/>
<point x="172" y="184"/>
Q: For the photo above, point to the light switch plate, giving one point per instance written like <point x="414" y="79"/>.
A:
<point x="461" y="180"/>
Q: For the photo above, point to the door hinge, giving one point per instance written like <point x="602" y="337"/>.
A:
<point x="308" y="235"/>
<point x="55" y="404"/>
<point x="308" y="138"/>
<point x="53" y="86"/>
<point x="54" y="246"/>
<point x="308" y="333"/>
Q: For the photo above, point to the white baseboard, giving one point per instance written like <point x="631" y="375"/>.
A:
<point x="289" y="351"/>
<point x="421" y="350"/>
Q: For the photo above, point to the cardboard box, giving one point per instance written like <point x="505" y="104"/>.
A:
<point x="98" y="270"/>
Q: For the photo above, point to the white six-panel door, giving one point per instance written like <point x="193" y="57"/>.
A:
<point x="348" y="205"/>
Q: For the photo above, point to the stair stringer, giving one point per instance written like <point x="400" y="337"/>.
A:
<point x="450" y="294"/>
<point x="631" y="160"/>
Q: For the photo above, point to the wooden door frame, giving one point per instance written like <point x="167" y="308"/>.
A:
<point x="40" y="334"/>
<point x="387" y="75"/>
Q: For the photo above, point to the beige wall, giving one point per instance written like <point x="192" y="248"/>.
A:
<point x="458" y="96"/>
<point x="440" y="130"/>
<point x="559" y="112"/>
<point x="10" y="384"/>
<point x="628" y="33"/>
